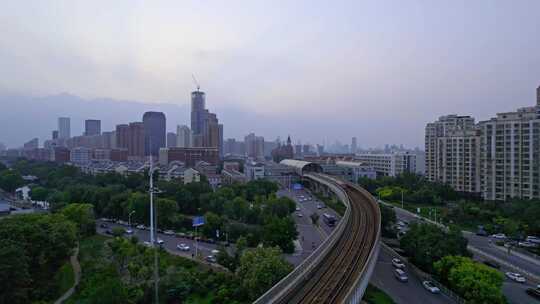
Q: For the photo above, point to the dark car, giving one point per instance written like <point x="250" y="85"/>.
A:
<point x="103" y="225"/>
<point x="108" y="231"/>
<point x="533" y="292"/>
<point x="492" y="264"/>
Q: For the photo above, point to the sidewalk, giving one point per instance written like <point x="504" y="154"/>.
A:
<point x="74" y="259"/>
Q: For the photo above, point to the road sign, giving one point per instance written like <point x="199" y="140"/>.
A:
<point x="297" y="187"/>
<point x="198" y="221"/>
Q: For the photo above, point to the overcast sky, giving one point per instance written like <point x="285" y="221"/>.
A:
<point x="378" y="70"/>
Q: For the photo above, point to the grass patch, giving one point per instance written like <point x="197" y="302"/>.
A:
<point x="64" y="278"/>
<point x="374" y="295"/>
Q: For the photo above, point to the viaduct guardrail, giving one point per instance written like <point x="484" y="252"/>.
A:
<point x="317" y="279"/>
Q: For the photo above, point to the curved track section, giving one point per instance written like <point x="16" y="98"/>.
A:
<point x="338" y="272"/>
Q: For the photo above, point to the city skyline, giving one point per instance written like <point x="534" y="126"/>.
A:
<point x="385" y="66"/>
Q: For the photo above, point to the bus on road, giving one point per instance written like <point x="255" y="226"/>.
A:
<point x="330" y="220"/>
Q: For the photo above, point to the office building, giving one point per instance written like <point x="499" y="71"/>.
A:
<point x="92" y="127"/>
<point x="154" y="132"/>
<point x="389" y="164"/>
<point x="171" y="139"/>
<point x="183" y="139"/>
<point x="108" y="140"/>
<point x="233" y="147"/>
<point x="253" y="170"/>
<point x="64" y="127"/>
<point x="198" y="117"/>
<point x="354" y="145"/>
<point x="55" y="134"/>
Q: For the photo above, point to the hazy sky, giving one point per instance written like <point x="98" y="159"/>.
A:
<point x="378" y="70"/>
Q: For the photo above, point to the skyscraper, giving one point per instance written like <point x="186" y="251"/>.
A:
<point x="354" y="145"/>
<point x="92" y="127"/>
<point x="154" y="132"/>
<point x="64" y="127"/>
<point x="198" y="117"/>
<point x="254" y="146"/>
<point x="183" y="134"/>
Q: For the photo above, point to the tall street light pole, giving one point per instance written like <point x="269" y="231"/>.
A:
<point x="129" y="217"/>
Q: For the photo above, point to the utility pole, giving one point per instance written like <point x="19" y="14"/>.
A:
<point x="152" y="230"/>
<point x="402" y="199"/>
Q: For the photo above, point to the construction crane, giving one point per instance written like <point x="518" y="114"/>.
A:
<point x="196" y="82"/>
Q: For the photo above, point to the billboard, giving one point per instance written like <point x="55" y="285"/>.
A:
<point x="198" y="221"/>
<point x="297" y="186"/>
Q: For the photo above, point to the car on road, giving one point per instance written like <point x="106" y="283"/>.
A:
<point x="431" y="287"/>
<point x="108" y="231"/>
<point x="516" y="277"/>
<point x="129" y="231"/>
<point x="297" y="208"/>
<point x="320" y="206"/>
<point x="533" y="239"/>
<point x="168" y="232"/>
<point x="398" y="263"/>
<point x="147" y="244"/>
<point x="182" y="247"/>
<point x="299" y="214"/>
<point x="401" y="275"/>
<point x="103" y="225"/>
<point x="211" y="259"/>
<point x="141" y="227"/>
<point x="160" y="241"/>
<point x="492" y="264"/>
<point x="215" y="252"/>
<point x="527" y="244"/>
<point x="499" y="236"/>
<point x="534" y="292"/>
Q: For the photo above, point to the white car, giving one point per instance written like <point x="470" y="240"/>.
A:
<point x="499" y="236"/>
<point x="168" y="232"/>
<point x="299" y="214"/>
<point x="297" y="208"/>
<point x="147" y="244"/>
<point x="129" y="231"/>
<point x="182" y="247"/>
<point x="141" y="227"/>
<point x="160" y="241"/>
<point x="533" y="239"/>
<point x="215" y="252"/>
<point x="527" y="244"/>
<point x="431" y="287"/>
<point x="515" y="277"/>
<point x="398" y="263"/>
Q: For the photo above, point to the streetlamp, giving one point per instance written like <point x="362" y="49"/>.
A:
<point x="129" y="217"/>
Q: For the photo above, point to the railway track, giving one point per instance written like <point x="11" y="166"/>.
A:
<point x="333" y="279"/>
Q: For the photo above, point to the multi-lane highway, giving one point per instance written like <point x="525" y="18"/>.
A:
<point x="514" y="292"/>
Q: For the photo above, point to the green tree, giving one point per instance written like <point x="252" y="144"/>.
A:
<point x="280" y="232"/>
<point x="10" y="180"/>
<point x="388" y="219"/>
<point x="118" y="231"/>
<point x="83" y="216"/>
<point x="314" y="218"/>
<point x="475" y="282"/>
<point x="39" y="193"/>
<point x="166" y="211"/>
<point x="14" y="275"/>
<point x="427" y="243"/>
<point x="260" y="269"/>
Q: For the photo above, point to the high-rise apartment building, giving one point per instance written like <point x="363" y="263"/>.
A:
<point x="354" y="145"/>
<point x="437" y="130"/>
<point x="254" y="146"/>
<point x="92" y="127"/>
<point x="136" y="140"/>
<point x="498" y="158"/>
<point x="183" y="139"/>
<point x="154" y="132"/>
<point x="64" y="127"/>
<point x="510" y="155"/>
<point x="122" y="136"/>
